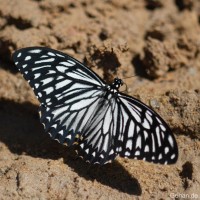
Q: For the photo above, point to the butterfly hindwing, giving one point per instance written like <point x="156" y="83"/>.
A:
<point x="126" y="127"/>
<point x="97" y="144"/>
<point x="66" y="122"/>
<point x="144" y="134"/>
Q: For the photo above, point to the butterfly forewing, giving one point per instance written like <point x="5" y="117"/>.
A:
<point x="56" y="78"/>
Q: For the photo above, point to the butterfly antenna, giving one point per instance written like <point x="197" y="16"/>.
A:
<point x="126" y="90"/>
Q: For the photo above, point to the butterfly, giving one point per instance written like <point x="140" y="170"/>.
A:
<point x="78" y="107"/>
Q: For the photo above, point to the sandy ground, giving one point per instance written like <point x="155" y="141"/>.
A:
<point x="158" y="41"/>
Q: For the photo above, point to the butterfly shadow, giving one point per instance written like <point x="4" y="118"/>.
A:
<point x="21" y="131"/>
<point x="113" y="175"/>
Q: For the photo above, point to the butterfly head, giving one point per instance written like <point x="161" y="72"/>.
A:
<point x="117" y="83"/>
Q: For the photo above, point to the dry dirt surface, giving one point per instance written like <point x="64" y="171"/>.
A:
<point x="157" y="42"/>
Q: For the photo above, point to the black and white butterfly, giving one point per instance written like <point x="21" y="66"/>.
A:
<point x="77" y="106"/>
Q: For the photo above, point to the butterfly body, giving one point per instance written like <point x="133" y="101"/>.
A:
<point x="76" y="105"/>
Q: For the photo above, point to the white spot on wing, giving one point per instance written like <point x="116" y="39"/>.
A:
<point x="160" y="156"/>
<point x="135" y="115"/>
<point x="49" y="90"/>
<point x="61" y="68"/>
<point x="45" y="60"/>
<point x="60" y="77"/>
<point x="67" y="64"/>
<point x="54" y="126"/>
<point x="137" y="153"/>
<point x="102" y="156"/>
<point x="47" y="80"/>
<point x="106" y="141"/>
<point x="170" y="139"/>
<point x="163" y="135"/>
<point x="62" y="84"/>
<point x="111" y="152"/>
<point x="166" y="150"/>
<point x="145" y="124"/>
<point x="36" y="85"/>
<point x="148" y="117"/>
<point x="48" y="118"/>
<point x="145" y="135"/>
<point x="61" y="132"/>
<point x="35" y="51"/>
<point x="129" y="144"/>
<point x="127" y="153"/>
<point x="60" y="55"/>
<point x="172" y="156"/>
<point x="23" y="66"/>
<point x="131" y="129"/>
<point x="48" y="100"/>
<point x="158" y="136"/>
<point x="51" y="54"/>
<point x="78" y="77"/>
<point x="28" y="58"/>
<point x="138" y="129"/>
<point x="87" y="151"/>
<point x="162" y="127"/>
<point x="72" y="62"/>
<point x="153" y="143"/>
<point x="139" y="142"/>
<point x="107" y="121"/>
<point x="41" y="67"/>
<point x="69" y="137"/>
<point x="149" y="113"/>
<point x="44" y="56"/>
<point x="19" y="54"/>
<point x="146" y="149"/>
<point x="51" y="72"/>
<point x="158" y="120"/>
<point x="37" y="75"/>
